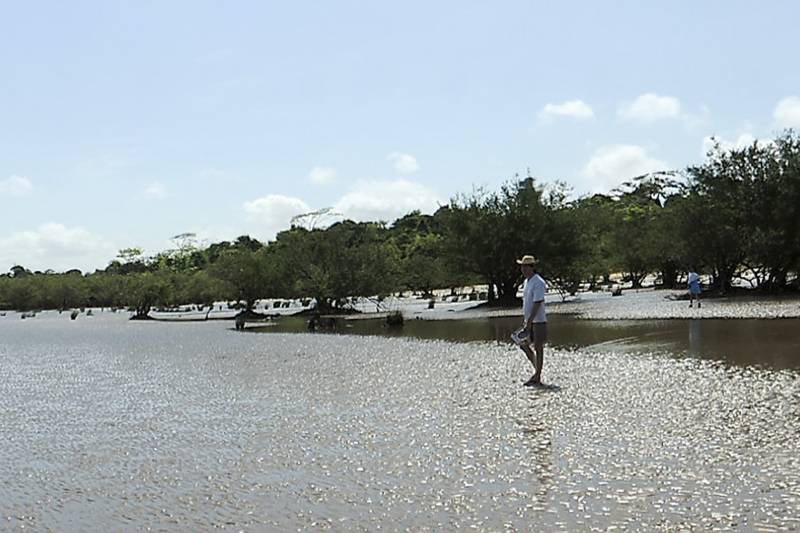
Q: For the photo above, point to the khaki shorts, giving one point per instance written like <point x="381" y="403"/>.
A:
<point x="539" y="333"/>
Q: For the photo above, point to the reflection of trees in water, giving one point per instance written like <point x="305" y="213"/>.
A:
<point x="503" y="328"/>
<point x="497" y="330"/>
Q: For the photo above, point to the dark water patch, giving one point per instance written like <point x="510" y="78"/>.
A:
<point x="743" y="342"/>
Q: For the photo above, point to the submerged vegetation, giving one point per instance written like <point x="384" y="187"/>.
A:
<point x="736" y="217"/>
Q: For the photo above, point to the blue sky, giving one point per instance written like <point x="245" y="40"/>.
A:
<point x="125" y="123"/>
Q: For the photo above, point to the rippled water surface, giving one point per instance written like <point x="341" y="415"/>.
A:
<point x="115" y="425"/>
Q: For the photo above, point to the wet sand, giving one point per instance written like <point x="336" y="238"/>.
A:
<point x="113" y="428"/>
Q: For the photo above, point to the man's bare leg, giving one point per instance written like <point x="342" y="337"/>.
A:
<point x="538" y="362"/>
<point x="532" y="358"/>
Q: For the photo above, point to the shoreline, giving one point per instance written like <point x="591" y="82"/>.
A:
<point x="642" y="304"/>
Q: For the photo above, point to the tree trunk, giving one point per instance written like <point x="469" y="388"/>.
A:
<point x="507" y="290"/>
<point x="777" y="281"/>
<point x="323" y="305"/>
<point x="142" y="312"/>
<point x="722" y="279"/>
<point x="669" y="274"/>
<point x="490" y="292"/>
<point x="636" y="279"/>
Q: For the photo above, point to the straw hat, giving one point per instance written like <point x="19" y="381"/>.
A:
<point x="527" y="260"/>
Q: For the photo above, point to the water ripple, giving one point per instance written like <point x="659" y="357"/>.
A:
<point x="195" y="427"/>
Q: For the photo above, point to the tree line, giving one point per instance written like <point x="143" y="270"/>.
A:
<point x="735" y="217"/>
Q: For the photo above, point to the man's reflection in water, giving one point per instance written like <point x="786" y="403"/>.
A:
<point x="538" y="439"/>
<point x="694" y="336"/>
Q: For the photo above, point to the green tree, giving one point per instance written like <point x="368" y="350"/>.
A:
<point x="567" y="247"/>
<point x="246" y="275"/>
<point x="486" y="232"/>
<point x="345" y="260"/>
<point x="145" y="290"/>
<point x="128" y="260"/>
<point x="715" y="215"/>
<point x="423" y="266"/>
<point x="202" y="289"/>
<point x="595" y="218"/>
<point x="21" y="293"/>
<point x="422" y="263"/>
<point x="635" y="228"/>
<point x="66" y="290"/>
<point x="743" y="206"/>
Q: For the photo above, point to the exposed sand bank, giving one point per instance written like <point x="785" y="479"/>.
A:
<point x="632" y="305"/>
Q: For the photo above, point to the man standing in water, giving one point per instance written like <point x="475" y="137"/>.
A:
<point x="535" y="319"/>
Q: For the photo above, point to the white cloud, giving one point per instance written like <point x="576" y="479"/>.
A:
<point x="322" y="175"/>
<point x="571" y="108"/>
<point x="57" y="247"/>
<point x="156" y="190"/>
<point x="610" y="166"/>
<point x="742" y="141"/>
<point x="403" y="163"/>
<point x="787" y="113"/>
<point x="273" y="213"/>
<point x="386" y="200"/>
<point x="651" y="107"/>
<point x="16" y="186"/>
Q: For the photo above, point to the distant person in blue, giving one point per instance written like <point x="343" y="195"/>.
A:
<point x="694" y="288"/>
<point x="534" y="323"/>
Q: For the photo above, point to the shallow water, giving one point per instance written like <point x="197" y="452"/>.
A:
<point x="769" y="343"/>
<point x="124" y="426"/>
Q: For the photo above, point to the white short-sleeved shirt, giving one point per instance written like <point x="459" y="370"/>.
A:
<point x="534" y="291"/>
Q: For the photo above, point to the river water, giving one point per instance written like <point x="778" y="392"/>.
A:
<point x="124" y="426"/>
<point x="744" y="342"/>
